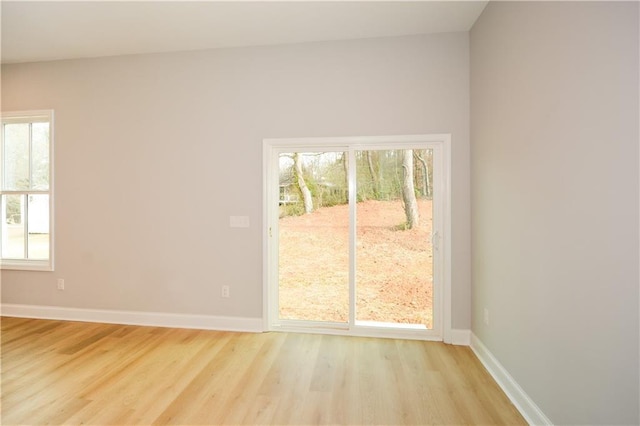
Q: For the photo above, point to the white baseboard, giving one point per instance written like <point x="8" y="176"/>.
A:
<point x="154" y="319"/>
<point x="529" y="410"/>
<point x="460" y="337"/>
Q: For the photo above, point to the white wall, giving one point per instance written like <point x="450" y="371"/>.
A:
<point x="153" y="153"/>
<point x="554" y="134"/>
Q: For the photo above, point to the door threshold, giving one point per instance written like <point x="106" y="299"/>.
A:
<point x="372" y="329"/>
<point x="391" y="325"/>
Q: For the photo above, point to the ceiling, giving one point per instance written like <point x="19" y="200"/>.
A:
<point x="44" y="31"/>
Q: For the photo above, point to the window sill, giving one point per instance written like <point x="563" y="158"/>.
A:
<point x="26" y="265"/>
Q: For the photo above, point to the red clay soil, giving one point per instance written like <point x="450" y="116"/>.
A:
<point x="393" y="272"/>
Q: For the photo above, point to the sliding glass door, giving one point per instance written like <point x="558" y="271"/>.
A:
<point x="313" y="237"/>
<point x="353" y="239"/>
<point x="394" y="253"/>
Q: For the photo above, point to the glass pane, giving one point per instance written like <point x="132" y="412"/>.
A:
<point x="13" y="226"/>
<point x="40" y="156"/>
<point x="38" y="227"/>
<point x="16" y="156"/>
<point x="313" y="237"/>
<point x="394" y="263"/>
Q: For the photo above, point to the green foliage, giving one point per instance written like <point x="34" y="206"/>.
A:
<point x="14" y="215"/>
<point x="292" y="209"/>
<point x="404" y="226"/>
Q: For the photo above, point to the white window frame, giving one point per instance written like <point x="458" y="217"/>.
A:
<point x="442" y="142"/>
<point x="30" y="117"/>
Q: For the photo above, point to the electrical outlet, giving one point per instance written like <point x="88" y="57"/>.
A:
<point x="225" y="291"/>
<point x="60" y="284"/>
<point x="486" y="316"/>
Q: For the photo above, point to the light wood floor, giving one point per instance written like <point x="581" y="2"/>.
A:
<point x="58" y="372"/>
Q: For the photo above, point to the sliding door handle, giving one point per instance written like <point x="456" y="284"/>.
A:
<point x="435" y="240"/>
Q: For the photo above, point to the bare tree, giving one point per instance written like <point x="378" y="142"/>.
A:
<point x="426" y="184"/>
<point x="306" y="193"/>
<point x="345" y="164"/>
<point x="408" y="191"/>
<point x="375" y="180"/>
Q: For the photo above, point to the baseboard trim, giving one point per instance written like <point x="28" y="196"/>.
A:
<point x="154" y="319"/>
<point x="529" y="410"/>
<point x="460" y="337"/>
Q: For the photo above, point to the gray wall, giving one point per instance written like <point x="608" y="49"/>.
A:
<point x="153" y="153"/>
<point x="554" y="172"/>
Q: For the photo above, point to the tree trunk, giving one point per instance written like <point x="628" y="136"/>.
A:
<point x="375" y="182"/>
<point x="408" y="191"/>
<point x="425" y="176"/>
<point x="306" y="194"/>
<point x="345" y="164"/>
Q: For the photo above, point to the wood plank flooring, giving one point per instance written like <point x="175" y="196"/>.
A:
<point x="71" y="373"/>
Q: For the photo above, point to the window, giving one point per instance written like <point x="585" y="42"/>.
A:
<point x="26" y="190"/>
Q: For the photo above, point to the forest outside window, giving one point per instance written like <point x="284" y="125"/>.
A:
<point x="26" y="190"/>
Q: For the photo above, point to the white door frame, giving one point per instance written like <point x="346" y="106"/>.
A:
<point x="441" y="143"/>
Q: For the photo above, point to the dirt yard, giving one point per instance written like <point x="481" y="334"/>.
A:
<point x="393" y="265"/>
